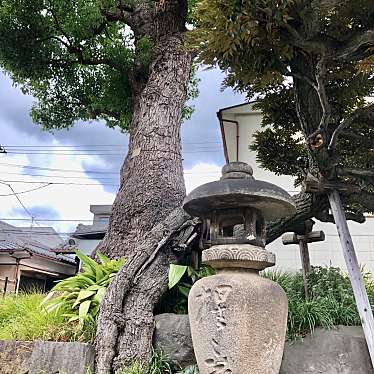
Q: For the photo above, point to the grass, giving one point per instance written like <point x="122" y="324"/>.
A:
<point x="331" y="301"/>
<point x="23" y="318"/>
<point x="159" y="365"/>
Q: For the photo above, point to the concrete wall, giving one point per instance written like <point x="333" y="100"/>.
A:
<point x="325" y="253"/>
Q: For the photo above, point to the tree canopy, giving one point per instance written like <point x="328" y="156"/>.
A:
<point x="310" y="65"/>
<point x="81" y="60"/>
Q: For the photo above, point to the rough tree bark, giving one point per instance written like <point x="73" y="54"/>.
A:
<point x="152" y="186"/>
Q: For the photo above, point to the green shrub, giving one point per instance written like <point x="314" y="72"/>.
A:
<point x="331" y="301"/>
<point x="80" y="296"/>
<point x="23" y="318"/>
<point x="159" y="364"/>
<point x="189" y="370"/>
<point x="67" y="313"/>
<point x="181" y="279"/>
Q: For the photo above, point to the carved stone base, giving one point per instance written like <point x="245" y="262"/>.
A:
<point x="238" y="323"/>
<point x="238" y="256"/>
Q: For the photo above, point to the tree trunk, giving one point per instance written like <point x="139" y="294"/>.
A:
<point x="152" y="186"/>
<point x="152" y="183"/>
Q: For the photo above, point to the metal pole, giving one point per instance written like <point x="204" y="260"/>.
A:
<point x="362" y="301"/>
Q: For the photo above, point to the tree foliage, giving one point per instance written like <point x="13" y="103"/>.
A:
<point x="309" y="64"/>
<point x="81" y="60"/>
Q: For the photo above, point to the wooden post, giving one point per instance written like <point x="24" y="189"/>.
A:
<point x="305" y="262"/>
<point x="362" y="301"/>
<point x="5" y="286"/>
<point x="303" y="240"/>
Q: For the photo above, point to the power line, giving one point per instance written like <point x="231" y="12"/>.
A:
<point x="94" y="145"/>
<point x="20" y="202"/>
<point x="57" y="169"/>
<point x="84" y="171"/>
<point x="47" y="220"/>
<point x="96" y="178"/>
<point x="63" y="183"/>
<point x="58" y="176"/>
<point x="31" y="190"/>
<point x="20" y="231"/>
<point x="106" y="154"/>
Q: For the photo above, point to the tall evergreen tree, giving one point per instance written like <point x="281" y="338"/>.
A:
<point x="310" y="65"/>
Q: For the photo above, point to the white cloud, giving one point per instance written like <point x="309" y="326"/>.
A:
<point x="201" y="173"/>
<point x="70" y="201"/>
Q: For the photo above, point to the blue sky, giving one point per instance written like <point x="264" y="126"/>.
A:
<point x="202" y="154"/>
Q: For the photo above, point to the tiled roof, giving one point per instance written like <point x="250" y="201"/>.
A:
<point x="15" y="238"/>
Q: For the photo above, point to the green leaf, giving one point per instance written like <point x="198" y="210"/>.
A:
<point x="87" y="261"/>
<point x="83" y="310"/>
<point x="103" y="259"/>
<point x="176" y="273"/>
<point x="100" y="294"/>
<point x="184" y="290"/>
<point x="73" y="318"/>
<point x="84" y="294"/>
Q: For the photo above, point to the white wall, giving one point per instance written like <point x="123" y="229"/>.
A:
<point x="288" y="258"/>
<point x="86" y="246"/>
<point x="248" y="124"/>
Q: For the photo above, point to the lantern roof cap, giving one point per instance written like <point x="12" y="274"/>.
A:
<point x="238" y="189"/>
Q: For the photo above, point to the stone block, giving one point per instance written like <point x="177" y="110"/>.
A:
<point x="172" y="335"/>
<point x="61" y="357"/>
<point x="15" y="356"/>
<point x="339" y="351"/>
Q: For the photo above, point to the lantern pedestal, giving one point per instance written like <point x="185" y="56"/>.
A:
<point x="238" y="319"/>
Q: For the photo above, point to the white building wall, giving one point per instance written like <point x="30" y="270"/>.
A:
<point x="328" y="252"/>
<point x="86" y="246"/>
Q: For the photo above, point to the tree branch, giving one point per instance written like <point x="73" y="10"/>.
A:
<point x="307" y="206"/>
<point x="365" y="199"/>
<point x="361" y="114"/>
<point x="355" y="172"/>
<point x="304" y="78"/>
<point x="78" y="50"/>
<point x="324" y="216"/>
<point x="356" y="48"/>
<point x="120" y="14"/>
<point x="326" y="109"/>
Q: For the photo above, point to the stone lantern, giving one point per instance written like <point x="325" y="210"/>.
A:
<point x="238" y="319"/>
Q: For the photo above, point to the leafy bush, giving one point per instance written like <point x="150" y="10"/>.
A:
<point x="189" y="370"/>
<point x="67" y="313"/>
<point x="181" y="279"/>
<point x="331" y="299"/>
<point x="23" y="318"/>
<point x="80" y="295"/>
<point x="159" y="365"/>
